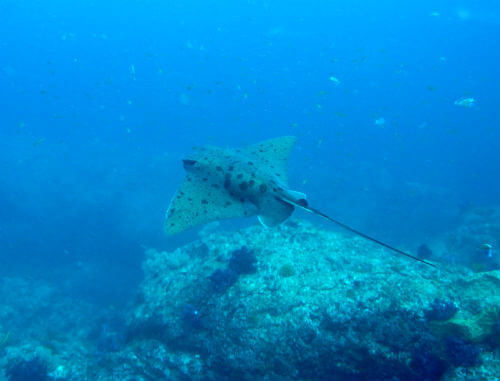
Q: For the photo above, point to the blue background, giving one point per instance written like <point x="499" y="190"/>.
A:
<point x="100" y="100"/>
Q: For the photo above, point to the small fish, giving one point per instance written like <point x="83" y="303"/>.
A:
<point x="488" y="248"/>
<point x="465" y="102"/>
<point x="379" y="122"/>
<point x="335" y="80"/>
<point x="38" y="142"/>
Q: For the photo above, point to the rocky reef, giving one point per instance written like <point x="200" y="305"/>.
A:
<point x="291" y="303"/>
<point x="319" y="306"/>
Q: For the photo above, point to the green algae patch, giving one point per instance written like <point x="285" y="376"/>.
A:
<point x="476" y="328"/>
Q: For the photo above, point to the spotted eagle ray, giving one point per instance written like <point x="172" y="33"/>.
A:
<point x="224" y="183"/>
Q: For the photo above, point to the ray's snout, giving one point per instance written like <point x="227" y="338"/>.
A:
<point x="188" y="164"/>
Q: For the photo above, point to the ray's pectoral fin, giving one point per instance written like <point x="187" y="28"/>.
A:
<point x="274" y="153"/>
<point x="273" y="211"/>
<point x="294" y="197"/>
<point x="197" y="202"/>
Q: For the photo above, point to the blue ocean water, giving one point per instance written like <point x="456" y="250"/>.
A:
<point x="100" y="100"/>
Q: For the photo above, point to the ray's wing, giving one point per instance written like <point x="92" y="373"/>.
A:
<point x="274" y="154"/>
<point x="197" y="202"/>
<point x="273" y="211"/>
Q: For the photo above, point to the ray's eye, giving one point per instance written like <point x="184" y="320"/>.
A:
<point x="189" y="163"/>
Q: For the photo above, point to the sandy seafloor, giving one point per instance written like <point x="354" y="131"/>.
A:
<point x="292" y="303"/>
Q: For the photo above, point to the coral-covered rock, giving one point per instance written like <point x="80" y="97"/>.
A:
<point x="472" y="327"/>
<point x="440" y="310"/>
<point x="20" y="369"/>
<point x="462" y="353"/>
<point x="321" y="306"/>
<point x="369" y="310"/>
<point x="243" y="261"/>
<point x="222" y="279"/>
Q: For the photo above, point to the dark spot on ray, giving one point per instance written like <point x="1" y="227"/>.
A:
<point x="197" y="214"/>
<point x="217" y="186"/>
<point x="261" y="150"/>
<point x="238" y="150"/>
<point x="239" y="176"/>
<point x="250" y="163"/>
<point x="172" y="224"/>
<point x="242" y="199"/>
<point x="251" y="183"/>
<point x="219" y="168"/>
<point x="227" y="203"/>
<point x="263" y="188"/>
<point x="181" y="193"/>
<point x="227" y="183"/>
<point x="272" y="166"/>
<point x="205" y="179"/>
<point x="204" y="201"/>
<point x="190" y="199"/>
<point x="253" y="174"/>
<point x="243" y="185"/>
<point x="171" y="211"/>
<point x="277" y="174"/>
<point x="230" y="168"/>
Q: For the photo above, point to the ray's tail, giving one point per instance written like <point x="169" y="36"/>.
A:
<point x="367" y="237"/>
